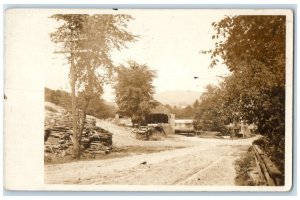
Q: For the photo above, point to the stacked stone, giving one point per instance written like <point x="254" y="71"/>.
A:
<point x="58" y="135"/>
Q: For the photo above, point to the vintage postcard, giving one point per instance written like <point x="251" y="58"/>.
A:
<point x="148" y="100"/>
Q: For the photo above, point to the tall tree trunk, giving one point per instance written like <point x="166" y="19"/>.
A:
<point x="82" y="123"/>
<point x="76" y="145"/>
<point x="87" y="98"/>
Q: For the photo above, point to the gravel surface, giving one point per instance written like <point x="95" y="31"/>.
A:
<point x="201" y="162"/>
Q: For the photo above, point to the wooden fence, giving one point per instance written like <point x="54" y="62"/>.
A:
<point x="268" y="171"/>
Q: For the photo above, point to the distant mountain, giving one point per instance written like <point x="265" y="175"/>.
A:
<point x="177" y="97"/>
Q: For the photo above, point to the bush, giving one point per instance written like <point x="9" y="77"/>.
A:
<point x="242" y="166"/>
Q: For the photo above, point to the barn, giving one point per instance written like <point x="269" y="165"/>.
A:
<point x="161" y="116"/>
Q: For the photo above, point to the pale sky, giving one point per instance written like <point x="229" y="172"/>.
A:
<point x="170" y="41"/>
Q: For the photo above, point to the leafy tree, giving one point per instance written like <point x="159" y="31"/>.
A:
<point x="253" y="48"/>
<point x="97" y="107"/>
<point x="196" y="104"/>
<point x="188" y="112"/>
<point x="87" y="40"/>
<point x="134" y="91"/>
<point x="208" y="111"/>
<point x="248" y="38"/>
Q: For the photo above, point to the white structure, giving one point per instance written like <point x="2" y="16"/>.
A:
<point x="124" y="121"/>
<point x="184" y="125"/>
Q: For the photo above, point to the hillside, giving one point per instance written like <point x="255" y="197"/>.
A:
<point x="98" y="107"/>
<point x="178" y="97"/>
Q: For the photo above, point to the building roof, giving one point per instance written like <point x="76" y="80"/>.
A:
<point x="160" y="109"/>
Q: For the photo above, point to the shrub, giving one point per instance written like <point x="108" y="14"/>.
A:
<point x="242" y="166"/>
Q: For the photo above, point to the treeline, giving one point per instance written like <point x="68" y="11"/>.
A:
<point x="187" y="112"/>
<point x="253" y="49"/>
<point x="97" y="106"/>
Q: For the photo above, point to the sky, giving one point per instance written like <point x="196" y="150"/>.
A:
<point x="169" y="42"/>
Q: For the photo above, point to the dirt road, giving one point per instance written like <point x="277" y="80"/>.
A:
<point x="201" y="162"/>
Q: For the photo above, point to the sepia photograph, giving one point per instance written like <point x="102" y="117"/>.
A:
<point x="156" y="100"/>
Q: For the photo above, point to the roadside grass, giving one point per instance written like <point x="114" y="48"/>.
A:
<point x="243" y="166"/>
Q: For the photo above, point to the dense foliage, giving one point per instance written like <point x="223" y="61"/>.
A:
<point x="58" y="97"/>
<point x="208" y="116"/>
<point x="134" y="91"/>
<point x="253" y="48"/>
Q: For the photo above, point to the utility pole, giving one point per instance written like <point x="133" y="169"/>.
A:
<point x="76" y="139"/>
<point x="74" y="113"/>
